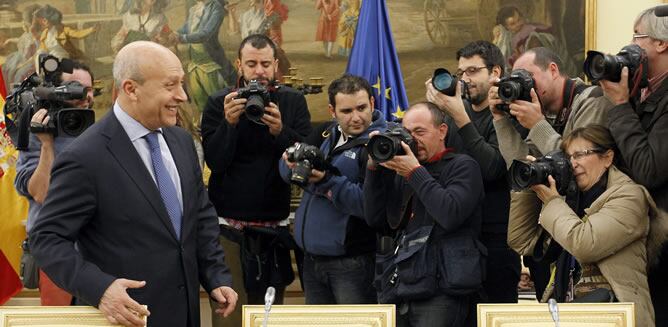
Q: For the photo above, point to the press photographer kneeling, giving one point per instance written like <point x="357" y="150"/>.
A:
<point x="596" y="237"/>
<point x="49" y="115"/>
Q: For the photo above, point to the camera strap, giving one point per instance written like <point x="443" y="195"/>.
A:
<point x="571" y="89"/>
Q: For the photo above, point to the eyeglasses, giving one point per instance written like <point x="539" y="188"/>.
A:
<point x="639" y="36"/>
<point x="578" y="155"/>
<point x="470" y="71"/>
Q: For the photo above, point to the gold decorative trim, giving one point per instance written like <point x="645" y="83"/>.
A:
<point x="44" y="316"/>
<point x="380" y="315"/>
<point x="570" y="315"/>
<point x="590" y="25"/>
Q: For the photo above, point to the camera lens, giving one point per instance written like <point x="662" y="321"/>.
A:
<point x="382" y="148"/>
<point x="509" y="91"/>
<point x="254" y="107"/>
<point x="444" y="82"/>
<point x="597" y="69"/>
<point x="73" y="123"/>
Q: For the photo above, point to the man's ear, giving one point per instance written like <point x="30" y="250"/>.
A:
<point x="238" y="63"/>
<point x="661" y="46"/>
<point x="442" y="131"/>
<point x="129" y="88"/>
<point x="331" y="110"/>
<point x="554" y="70"/>
<point x="371" y="102"/>
<point x="497" y="71"/>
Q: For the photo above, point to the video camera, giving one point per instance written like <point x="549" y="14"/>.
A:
<point x="516" y="86"/>
<point x="257" y="96"/>
<point x="525" y="174"/>
<point x="384" y="146"/>
<point x="599" y="66"/>
<point x="42" y="90"/>
<point x="307" y="157"/>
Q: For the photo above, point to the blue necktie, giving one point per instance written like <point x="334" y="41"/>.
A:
<point x="165" y="183"/>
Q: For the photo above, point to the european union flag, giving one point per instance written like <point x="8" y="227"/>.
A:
<point x="374" y="57"/>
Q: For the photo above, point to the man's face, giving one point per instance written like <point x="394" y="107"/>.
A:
<point x="514" y="23"/>
<point x="353" y="112"/>
<point x="654" y="48"/>
<point x="258" y="64"/>
<point x="546" y="83"/>
<point x="161" y="94"/>
<point x="478" y="80"/>
<point x="429" y="138"/>
<point x="84" y="78"/>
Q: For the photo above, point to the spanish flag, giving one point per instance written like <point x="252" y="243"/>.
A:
<point x="13" y="210"/>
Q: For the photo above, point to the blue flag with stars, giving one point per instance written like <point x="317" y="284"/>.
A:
<point x="374" y="57"/>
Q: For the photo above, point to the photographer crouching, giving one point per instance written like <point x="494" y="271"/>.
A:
<point x="52" y="128"/>
<point x="339" y="247"/>
<point x="602" y="224"/>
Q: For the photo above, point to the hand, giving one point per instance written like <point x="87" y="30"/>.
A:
<point x="452" y="105"/>
<point x="227" y="300"/>
<point x="233" y="108"/>
<point x="528" y="114"/>
<point x="290" y="164"/>
<point x="316" y="176"/>
<point x="119" y="308"/>
<point x="493" y="99"/>
<point x="272" y="118"/>
<point x="544" y="193"/>
<point x="617" y="93"/>
<point x="40" y="119"/>
<point x="403" y="165"/>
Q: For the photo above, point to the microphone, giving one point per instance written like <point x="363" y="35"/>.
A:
<point x="554" y="311"/>
<point x="268" y="301"/>
<point x="661" y="11"/>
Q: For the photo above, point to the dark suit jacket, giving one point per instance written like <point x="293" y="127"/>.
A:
<point x="103" y="198"/>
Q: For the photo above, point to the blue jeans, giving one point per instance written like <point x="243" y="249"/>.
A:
<point x="339" y="280"/>
<point x="439" y="311"/>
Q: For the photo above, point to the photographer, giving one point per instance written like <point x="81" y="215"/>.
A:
<point x="432" y="197"/>
<point x="471" y="131"/>
<point x="339" y="247"/>
<point x="639" y="125"/>
<point x="242" y="148"/>
<point x="603" y="227"/>
<point x="34" y="169"/>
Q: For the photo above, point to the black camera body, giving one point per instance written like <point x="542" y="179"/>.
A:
<point x="305" y="157"/>
<point x="525" y="174"/>
<point x="516" y="86"/>
<point x="446" y="83"/>
<point x="257" y="96"/>
<point x="43" y="91"/>
<point x="384" y="146"/>
<point x="599" y="66"/>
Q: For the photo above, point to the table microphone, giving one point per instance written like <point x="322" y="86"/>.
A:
<point x="661" y="11"/>
<point x="554" y="311"/>
<point x="268" y="301"/>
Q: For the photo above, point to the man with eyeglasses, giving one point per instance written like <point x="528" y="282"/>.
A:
<point x="639" y="125"/>
<point x="559" y="104"/>
<point x="471" y="131"/>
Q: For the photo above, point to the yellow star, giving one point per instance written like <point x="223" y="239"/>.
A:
<point x="387" y="93"/>
<point x="377" y="85"/>
<point x="399" y="113"/>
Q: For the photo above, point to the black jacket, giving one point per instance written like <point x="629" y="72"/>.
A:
<point x="245" y="183"/>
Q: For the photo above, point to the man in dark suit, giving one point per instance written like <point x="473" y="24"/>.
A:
<point x="129" y="193"/>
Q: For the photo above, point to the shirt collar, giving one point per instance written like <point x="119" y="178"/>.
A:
<point x="132" y="127"/>
<point x="440" y="155"/>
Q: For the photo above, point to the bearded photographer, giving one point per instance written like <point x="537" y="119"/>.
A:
<point x="338" y="245"/>
<point x="639" y="124"/>
<point x="34" y="169"/>
<point x="603" y="226"/>
<point x="471" y="131"/>
<point x="431" y="198"/>
<point x="244" y="132"/>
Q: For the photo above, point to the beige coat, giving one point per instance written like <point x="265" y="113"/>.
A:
<point x="613" y="235"/>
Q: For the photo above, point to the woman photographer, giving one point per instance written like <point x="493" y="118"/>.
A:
<point x="602" y="228"/>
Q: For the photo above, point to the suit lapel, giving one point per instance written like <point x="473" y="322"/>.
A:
<point x="127" y="157"/>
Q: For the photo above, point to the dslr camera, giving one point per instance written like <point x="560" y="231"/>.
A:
<point x="516" y="86"/>
<point x="446" y="83"/>
<point x="305" y="157"/>
<point x="524" y="174"/>
<point x="384" y="146"/>
<point x="43" y="90"/>
<point x="257" y="96"/>
<point x="599" y="66"/>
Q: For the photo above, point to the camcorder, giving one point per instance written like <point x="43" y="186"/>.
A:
<point x="258" y="97"/>
<point x="599" y="66"/>
<point x="516" y="86"/>
<point x="384" y="146"/>
<point x="524" y="174"/>
<point x="446" y="83"/>
<point x="307" y="157"/>
<point x="43" y="90"/>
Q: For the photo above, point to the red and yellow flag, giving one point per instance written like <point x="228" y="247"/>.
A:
<point x="13" y="211"/>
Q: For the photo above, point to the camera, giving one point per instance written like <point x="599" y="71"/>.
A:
<point x="446" y="83"/>
<point x="599" y="66"/>
<point x="43" y="90"/>
<point x="525" y="174"/>
<point x="305" y="157"/>
<point x="384" y="146"/>
<point x="516" y="86"/>
<point x="258" y="98"/>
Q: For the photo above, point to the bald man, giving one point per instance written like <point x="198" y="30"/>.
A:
<point x="129" y="193"/>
